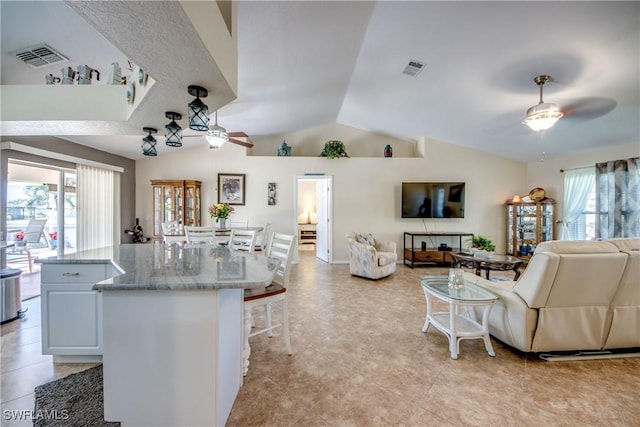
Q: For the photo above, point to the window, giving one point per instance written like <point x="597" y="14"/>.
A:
<point x="584" y="228"/>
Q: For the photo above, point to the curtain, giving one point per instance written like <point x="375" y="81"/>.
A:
<point x="618" y="199"/>
<point x="98" y="207"/>
<point x="577" y="187"/>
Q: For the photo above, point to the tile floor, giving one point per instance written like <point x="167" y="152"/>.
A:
<point x="360" y="359"/>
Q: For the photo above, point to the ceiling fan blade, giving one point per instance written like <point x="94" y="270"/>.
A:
<point x="243" y="143"/>
<point x="585" y="109"/>
<point x="237" y="135"/>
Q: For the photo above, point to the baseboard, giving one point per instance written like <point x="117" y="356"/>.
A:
<point x="88" y="358"/>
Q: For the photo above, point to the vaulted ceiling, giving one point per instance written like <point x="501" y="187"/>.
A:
<point x="307" y="63"/>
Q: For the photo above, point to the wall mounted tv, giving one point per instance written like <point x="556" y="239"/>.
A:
<point x="433" y="199"/>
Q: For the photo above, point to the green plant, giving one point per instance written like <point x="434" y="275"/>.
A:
<point x="334" y="150"/>
<point x="484" y="243"/>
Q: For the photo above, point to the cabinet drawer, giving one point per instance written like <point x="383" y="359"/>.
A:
<point x="307" y="227"/>
<point x="73" y="273"/>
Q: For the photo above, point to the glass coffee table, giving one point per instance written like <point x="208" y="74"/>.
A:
<point x="458" y="323"/>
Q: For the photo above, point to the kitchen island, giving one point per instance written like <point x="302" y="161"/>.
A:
<point x="172" y="330"/>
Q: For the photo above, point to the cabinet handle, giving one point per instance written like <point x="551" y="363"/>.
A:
<point x="71" y="274"/>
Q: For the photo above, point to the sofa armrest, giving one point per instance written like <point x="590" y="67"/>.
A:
<point x="511" y="320"/>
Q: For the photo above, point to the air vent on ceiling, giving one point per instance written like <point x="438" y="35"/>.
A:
<point x="413" y="68"/>
<point x="39" y="55"/>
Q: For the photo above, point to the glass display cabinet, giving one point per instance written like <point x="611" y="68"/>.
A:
<point x="175" y="200"/>
<point x="529" y="223"/>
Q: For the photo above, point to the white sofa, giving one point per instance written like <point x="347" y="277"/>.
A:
<point x="370" y="257"/>
<point x="573" y="295"/>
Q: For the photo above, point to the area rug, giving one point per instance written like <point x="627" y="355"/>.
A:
<point x="76" y="400"/>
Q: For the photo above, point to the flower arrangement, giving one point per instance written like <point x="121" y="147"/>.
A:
<point x="53" y="235"/>
<point x="220" y="211"/>
<point x="19" y="235"/>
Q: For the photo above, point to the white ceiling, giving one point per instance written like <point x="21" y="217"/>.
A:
<point x="303" y="64"/>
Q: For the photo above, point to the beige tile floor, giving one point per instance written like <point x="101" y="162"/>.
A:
<point x="360" y="359"/>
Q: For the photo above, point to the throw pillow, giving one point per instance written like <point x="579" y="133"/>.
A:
<point x="368" y="239"/>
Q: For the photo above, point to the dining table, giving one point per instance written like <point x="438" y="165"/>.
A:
<point x="173" y="327"/>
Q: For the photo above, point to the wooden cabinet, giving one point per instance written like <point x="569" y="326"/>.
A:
<point x="175" y="200"/>
<point x="434" y="248"/>
<point x="528" y="224"/>
<point x="72" y="311"/>
<point x="306" y="234"/>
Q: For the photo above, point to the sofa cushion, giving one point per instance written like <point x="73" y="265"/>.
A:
<point x="576" y="247"/>
<point x="385" y="258"/>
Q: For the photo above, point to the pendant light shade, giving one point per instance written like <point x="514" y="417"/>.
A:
<point x="216" y="135"/>
<point x="198" y="111"/>
<point x="149" y="143"/>
<point x="172" y="130"/>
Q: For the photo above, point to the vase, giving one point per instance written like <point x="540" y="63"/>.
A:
<point x="222" y="223"/>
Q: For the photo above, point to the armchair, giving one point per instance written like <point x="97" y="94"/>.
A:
<point x="371" y="258"/>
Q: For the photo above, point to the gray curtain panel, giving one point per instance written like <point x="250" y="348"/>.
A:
<point x="618" y="199"/>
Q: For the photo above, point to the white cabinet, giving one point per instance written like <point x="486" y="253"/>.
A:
<point x="72" y="311"/>
<point x="306" y="233"/>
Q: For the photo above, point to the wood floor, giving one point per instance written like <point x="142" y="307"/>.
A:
<point x="360" y="359"/>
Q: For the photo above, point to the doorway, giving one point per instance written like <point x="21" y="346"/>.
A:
<point x="313" y="196"/>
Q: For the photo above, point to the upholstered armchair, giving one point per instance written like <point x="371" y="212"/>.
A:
<point x="369" y="257"/>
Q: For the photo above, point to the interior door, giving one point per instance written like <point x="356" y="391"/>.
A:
<point x="323" y="207"/>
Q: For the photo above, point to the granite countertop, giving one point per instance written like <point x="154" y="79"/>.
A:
<point x="176" y="267"/>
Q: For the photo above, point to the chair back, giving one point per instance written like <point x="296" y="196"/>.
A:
<point x="242" y="240"/>
<point x="262" y="238"/>
<point x="280" y="246"/>
<point x="237" y="223"/>
<point x="200" y="234"/>
<point x="34" y="231"/>
<point x="171" y="228"/>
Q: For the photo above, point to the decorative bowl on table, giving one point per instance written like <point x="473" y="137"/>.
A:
<point x="481" y="253"/>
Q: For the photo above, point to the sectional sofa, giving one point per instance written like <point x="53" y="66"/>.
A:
<point x="573" y="295"/>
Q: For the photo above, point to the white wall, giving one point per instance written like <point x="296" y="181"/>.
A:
<point x="548" y="176"/>
<point x="366" y="190"/>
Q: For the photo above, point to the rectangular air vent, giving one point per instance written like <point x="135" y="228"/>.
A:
<point x="39" y="55"/>
<point x="413" y="68"/>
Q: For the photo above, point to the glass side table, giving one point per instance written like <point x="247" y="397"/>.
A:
<point x="458" y="324"/>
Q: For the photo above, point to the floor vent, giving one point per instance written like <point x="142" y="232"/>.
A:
<point x="413" y="68"/>
<point x="39" y="55"/>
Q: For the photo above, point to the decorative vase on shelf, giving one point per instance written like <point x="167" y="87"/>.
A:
<point x="388" y="151"/>
<point x="284" y="150"/>
<point x="222" y="223"/>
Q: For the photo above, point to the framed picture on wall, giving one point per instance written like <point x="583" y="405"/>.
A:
<point x="231" y="188"/>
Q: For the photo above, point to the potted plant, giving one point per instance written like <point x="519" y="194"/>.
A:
<point x="334" y="150"/>
<point x="482" y="246"/>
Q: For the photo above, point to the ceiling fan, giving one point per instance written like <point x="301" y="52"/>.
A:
<point x="217" y="136"/>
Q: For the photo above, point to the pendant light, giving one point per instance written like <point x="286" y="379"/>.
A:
<point x="172" y="130"/>
<point x="198" y="111"/>
<point x="149" y="143"/>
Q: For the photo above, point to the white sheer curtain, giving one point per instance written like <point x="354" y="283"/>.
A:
<point x="578" y="183"/>
<point x="98" y="207"/>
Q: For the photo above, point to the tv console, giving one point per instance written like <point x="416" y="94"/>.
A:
<point x="427" y="248"/>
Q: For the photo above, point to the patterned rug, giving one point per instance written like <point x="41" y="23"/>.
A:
<point x="76" y="400"/>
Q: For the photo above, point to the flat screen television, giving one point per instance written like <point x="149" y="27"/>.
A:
<point x="433" y="199"/>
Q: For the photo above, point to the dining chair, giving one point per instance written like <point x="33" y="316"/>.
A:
<point x="263" y="237"/>
<point x="242" y="240"/>
<point x="172" y="232"/>
<point x="196" y="234"/>
<point x="33" y="235"/>
<point x="280" y="246"/>
<point x="237" y="223"/>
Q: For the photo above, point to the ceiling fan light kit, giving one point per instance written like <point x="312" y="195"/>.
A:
<point x="216" y="135"/>
<point x="172" y="130"/>
<point x="198" y="110"/>
<point x="149" y="143"/>
<point x="542" y="116"/>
